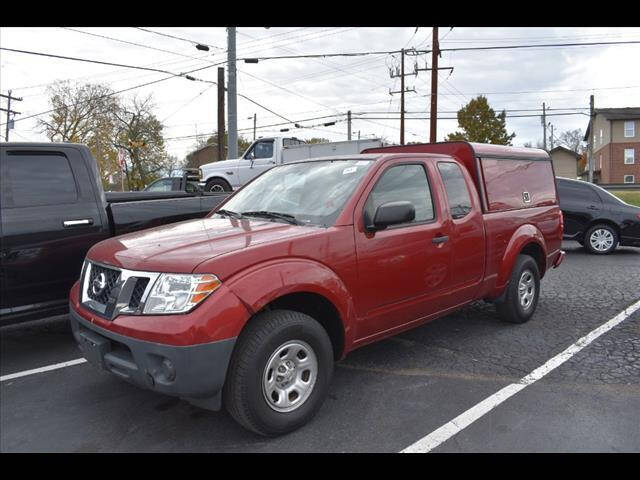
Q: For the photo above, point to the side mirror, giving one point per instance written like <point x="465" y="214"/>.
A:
<point x="392" y="213"/>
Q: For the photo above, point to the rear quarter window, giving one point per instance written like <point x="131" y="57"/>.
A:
<point x="34" y="179"/>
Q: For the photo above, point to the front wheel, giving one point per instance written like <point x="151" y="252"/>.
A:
<point x="217" y="185"/>
<point x="522" y="293"/>
<point x="279" y="373"/>
<point x="601" y="239"/>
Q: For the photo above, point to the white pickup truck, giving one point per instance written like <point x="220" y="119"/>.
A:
<point x="265" y="153"/>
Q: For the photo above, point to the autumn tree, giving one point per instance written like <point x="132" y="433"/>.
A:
<point x="139" y="132"/>
<point x="479" y="123"/>
<point x="84" y="113"/>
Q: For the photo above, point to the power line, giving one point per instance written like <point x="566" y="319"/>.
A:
<point x="179" y="38"/>
<point x="100" y="62"/>
<point x="503" y="47"/>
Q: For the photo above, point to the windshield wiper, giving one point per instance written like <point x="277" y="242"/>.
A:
<point x="229" y="213"/>
<point x="280" y="216"/>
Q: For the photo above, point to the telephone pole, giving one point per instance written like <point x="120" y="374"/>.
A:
<point x="402" y="91"/>
<point x="231" y="93"/>
<point x="220" y="113"/>
<point x="9" y="112"/>
<point x="434" y="87"/>
<point x="551" y="137"/>
<point x="349" y="125"/>
<point x="544" y="126"/>
<point x="591" y="130"/>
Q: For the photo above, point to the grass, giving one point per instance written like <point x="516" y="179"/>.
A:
<point x="632" y="197"/>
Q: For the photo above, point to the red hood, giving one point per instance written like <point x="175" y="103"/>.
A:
<point x="180" y="247"/>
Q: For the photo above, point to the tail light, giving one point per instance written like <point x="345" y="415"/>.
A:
<point x="562" y="221"/>
<point x="638" y="215"/>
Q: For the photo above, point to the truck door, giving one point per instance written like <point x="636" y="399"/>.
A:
<point x="261" y="156"/>
<point x="467" y="231"/>
<point x="404" y="269"/>
<point x="50" y="218"/>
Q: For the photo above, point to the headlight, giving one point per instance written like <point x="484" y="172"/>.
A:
<point x="175" y="293"/>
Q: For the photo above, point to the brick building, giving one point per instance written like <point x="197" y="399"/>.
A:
<point x="615" y="135"/>
<point x="206" y="154"/>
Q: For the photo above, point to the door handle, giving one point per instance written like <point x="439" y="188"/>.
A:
<point x="593" y="207"/>
<point x="440" y="239"/>
<point x="75" y="223"/>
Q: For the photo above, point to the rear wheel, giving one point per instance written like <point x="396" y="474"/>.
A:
<point x="522" y="293"/>
<point x="279" y="373"/>
<point x="217" y="185"/>
<point x="601" y="239"/>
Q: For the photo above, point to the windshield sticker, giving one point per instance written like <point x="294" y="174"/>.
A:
<point x="349" y="170"/>
<point x="362" y="162"/>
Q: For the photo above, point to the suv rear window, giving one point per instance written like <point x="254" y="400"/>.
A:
<point x="39" y="179"/>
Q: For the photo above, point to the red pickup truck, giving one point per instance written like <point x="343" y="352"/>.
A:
<point x="252" y="305"/>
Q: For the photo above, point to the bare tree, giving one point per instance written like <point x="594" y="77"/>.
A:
<point x="572" y="139"/>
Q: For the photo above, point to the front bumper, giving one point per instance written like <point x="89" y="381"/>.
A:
<point x="195" y="373"/>
<point x="559" y="259"/>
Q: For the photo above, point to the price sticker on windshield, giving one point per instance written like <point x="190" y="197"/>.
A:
<point x="349" y="170"/>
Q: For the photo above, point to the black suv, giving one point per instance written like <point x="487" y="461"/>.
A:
<point x="596" y="218"/>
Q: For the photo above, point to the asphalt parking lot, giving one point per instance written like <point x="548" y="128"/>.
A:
<point x="384" y="397"/>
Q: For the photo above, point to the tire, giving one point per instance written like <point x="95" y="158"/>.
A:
<point x="217" y="185"/>
<point x="517" y="307"/>
<point x="601" y="239"/>
<point x="257" y="358"/>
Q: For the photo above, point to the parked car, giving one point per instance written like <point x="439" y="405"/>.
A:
<point x="173" y="184"/>
<point x="597" y="219"/>
<point x="265" y="153"/>
<point x="251" y="306"/>
<point x="52" y="209"/>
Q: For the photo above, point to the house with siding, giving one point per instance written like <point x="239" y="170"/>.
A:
<point x="565" y="162"/>
<point x="615" y="136"/>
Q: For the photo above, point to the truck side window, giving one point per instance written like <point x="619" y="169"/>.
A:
<point x="40" y="179"/>
<point x="456" y="187"/>
<point x="261" y="150"/>
<point x="402" y="183"/>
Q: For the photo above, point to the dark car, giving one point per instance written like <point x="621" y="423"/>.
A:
<point x="173" y="184"/>
<point x="597" y="219"/>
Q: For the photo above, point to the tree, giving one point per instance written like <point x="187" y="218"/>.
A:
<point x="479" y="123"/>
<point x="84" y="113"/>
<point x="572" y="139"/>
<point x="139" y="132"/>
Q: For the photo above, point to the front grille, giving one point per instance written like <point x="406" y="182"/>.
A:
<point x="138" y="291"/>
<point x="111" y="279"/>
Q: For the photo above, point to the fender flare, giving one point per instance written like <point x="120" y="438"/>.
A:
<point x="523" y="236"/>
<point x="293" y="275"/>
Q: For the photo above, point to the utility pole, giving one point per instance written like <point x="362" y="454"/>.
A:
<point x="9" y="112"/>
<point x="255" y="117"/>
<point x="402" y="91"/>
<point x="349" y="125"/>
<point x="231" y="93"/>
<point x="591" y="130"/>
<point x="220" y="113"/>
<point x="434" y="87"/>
<point x="544" y="126"/>
<point x="551" y="138"/>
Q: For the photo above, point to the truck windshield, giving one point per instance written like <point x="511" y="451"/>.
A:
<point x="313" y="193"/>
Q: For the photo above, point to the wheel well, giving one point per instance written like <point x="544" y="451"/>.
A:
<point x="535" y="251"/>
<point x="320" y="309"/>
<point x="217" y="178"/>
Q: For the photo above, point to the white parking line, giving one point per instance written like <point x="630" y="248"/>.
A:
<point x="56" y="366"/>
<point x="448" y="430"/>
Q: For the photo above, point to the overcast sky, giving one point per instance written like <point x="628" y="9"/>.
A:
<point x="300" y="89"/>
